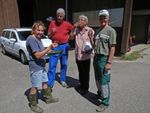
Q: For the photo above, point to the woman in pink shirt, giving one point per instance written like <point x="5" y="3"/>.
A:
<point x="83" y="52"/>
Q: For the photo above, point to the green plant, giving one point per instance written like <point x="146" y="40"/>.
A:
<point x="133" y="56"/>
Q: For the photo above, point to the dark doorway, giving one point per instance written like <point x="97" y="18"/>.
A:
<point x="25" y="12"/>
<point x="139" y="28"/>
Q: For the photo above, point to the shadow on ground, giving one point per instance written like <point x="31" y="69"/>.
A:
<point x="72" y="83"/>
<point x="90" y="96"/>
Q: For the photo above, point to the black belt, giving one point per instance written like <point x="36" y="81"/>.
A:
<point x="62" y="43"/>
<point x="101" y="55"/>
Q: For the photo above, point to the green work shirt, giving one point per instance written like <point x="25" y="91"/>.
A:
<point x="104" y="37"/>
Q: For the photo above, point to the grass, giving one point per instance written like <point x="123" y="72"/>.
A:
<point x="133" y="56"/>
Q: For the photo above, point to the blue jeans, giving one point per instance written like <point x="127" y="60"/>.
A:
<point x="53" y="60"/>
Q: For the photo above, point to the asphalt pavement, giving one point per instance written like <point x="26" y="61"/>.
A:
<point x="130" y="88"/>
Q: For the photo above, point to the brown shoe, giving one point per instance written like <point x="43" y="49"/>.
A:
<point x="101" y="108"/>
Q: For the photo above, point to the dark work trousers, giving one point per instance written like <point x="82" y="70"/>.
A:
<point x="84" y="70"/>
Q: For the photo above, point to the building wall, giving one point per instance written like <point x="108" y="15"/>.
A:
<point x="84" y="5"/>
<point x="9" y="16"/>
<point x="32" y="10"/>
<point x="91" y="10"/>
<point x="42" y="9"/>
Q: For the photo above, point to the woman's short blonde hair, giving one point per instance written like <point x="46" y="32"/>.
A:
<point x="36" y="25"/>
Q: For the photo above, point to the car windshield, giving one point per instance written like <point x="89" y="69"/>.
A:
<point x="23" y="35"/>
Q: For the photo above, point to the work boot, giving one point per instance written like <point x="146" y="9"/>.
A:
<point x="48" y="98"/>
<point x="33" y="104"/>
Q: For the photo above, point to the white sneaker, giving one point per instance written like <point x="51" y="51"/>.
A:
<point x="64" y="84"/>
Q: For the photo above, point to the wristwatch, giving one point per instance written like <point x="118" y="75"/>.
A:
<point x="108" y="62"/>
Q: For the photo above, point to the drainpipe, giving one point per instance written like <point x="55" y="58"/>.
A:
<point x="66" y="8"/>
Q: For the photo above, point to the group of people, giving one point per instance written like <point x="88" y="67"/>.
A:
<point x="88" y="43"/>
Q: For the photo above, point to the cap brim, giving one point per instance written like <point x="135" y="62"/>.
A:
<point x="103" y="15"/>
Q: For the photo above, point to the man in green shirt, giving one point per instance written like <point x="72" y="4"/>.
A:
<point x="104" y="46"/>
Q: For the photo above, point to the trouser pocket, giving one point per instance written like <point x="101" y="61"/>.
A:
<point x="106" y="77"/>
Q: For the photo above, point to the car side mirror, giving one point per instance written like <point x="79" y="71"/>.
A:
<point x="12" y="39"/>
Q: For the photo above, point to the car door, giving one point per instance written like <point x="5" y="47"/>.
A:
<point x="6" y="41"/>
<point x="14" y="43"/>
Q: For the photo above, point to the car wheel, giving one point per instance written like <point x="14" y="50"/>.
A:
<point x="23" y="58"/>
<point x="3" y="50"/>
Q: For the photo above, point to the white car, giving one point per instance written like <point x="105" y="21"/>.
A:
<point x="13" y="41"/>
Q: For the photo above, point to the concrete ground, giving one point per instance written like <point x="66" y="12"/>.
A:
<point x="130" y="87"/>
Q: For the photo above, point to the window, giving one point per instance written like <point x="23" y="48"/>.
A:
<point x="23" y="35"/>
<point x="3" y="33"/>
<point x="13" y="35"/>
<point x="7" y="34"/>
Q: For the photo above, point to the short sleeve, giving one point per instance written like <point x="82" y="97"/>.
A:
<point x="33" y="45"/>
<point x="70" y="26"/>
<point x="50" y="26"/>
<point x="113" y="36"/>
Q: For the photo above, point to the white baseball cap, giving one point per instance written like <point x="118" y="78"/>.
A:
<point x="103" y="12"/>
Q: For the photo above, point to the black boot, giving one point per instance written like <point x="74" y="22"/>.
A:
<point x="33" y="104"/>
<point x="47" y="94"/>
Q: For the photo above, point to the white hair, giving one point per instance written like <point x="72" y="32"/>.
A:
<point x="85" y="17"/>
<point x="60" y="10"/>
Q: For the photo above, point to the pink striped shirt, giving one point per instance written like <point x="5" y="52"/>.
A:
<point x="81" y="38"/>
